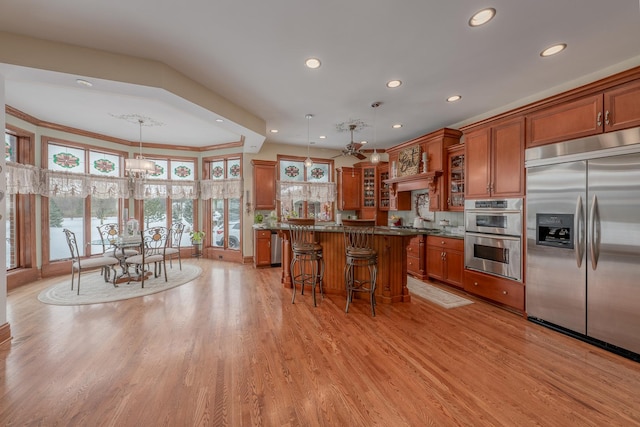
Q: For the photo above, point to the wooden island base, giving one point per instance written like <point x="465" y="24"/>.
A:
<point x="391" y="245"/>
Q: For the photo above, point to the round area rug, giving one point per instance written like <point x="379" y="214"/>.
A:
<point x="94" y="290"/>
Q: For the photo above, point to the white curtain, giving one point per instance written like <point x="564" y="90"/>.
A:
<point x="68" y="184"/>
<point x="321" y="192"/>
<point x="22" y="179"/>
<point x="221" y="189"/>
<point x="163" y="188"/>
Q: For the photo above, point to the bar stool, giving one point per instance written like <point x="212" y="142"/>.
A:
<point x="360" y="254"/>
<point x="307" y="253"/>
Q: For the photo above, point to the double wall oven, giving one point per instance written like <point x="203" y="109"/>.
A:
<point x="493" y="237"/>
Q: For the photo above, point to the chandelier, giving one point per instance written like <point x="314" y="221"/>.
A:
<point x="139" y="167"/>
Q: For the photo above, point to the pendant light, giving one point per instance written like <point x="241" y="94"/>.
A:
<point x="140" y="167"/>
<point x="308" y="162"/>
<point x="375" y="157"/>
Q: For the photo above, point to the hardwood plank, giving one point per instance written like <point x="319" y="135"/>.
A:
<point x="230" y="349"/>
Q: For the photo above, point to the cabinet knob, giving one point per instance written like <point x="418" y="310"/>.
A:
<point x="504" y="292"/>
<point x="475" y="283"/>
<point x="442" y="242"/>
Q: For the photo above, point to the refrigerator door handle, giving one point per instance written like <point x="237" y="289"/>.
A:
<point x="578" y="237"/>
<point x="594" y="229"/>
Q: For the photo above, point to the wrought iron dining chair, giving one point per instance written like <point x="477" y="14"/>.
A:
<point x="360" y="255"/>
<point x="109" y="233"/>
<point x="80" y="264"/>
<point x="175" y="243"/>
<point x="154" y="246"/>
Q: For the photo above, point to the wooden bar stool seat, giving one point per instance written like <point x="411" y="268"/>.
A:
<point x="307" y="254"/>
<point x="360" y="255"/>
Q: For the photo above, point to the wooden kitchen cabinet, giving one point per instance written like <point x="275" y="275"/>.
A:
<point x="349" y="185"/>
<point x="494" y="157"/>
<point x="262" y="248"/>
<point x="445" y="259"/>
<point x="383" y="188"/>
<point x="368" y="206"/>
<point x="614" y="109"/>
<point x="455" y="178"/>
<point x="494" y="288"/>
<point x="264" y="185"/>
<point x="416" y="257"/>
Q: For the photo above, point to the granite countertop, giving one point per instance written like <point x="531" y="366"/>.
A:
<point x="383" y="230"/>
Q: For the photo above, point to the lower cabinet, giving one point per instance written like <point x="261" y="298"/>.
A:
<point x="262" y="248"/>
<point x="445" y="259"/>
<point x="416" y="257"/>
<point x="497" y="289"/>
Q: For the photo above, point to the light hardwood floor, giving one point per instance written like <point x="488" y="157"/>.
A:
<point x="231" y="349"/>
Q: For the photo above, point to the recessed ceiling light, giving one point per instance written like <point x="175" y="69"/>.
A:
<point x="322" y="137"/>
<point x="82" y="82"/>
<point x="454" y="98"/>
<point x="219" y="120"/>
<point x="552" y="50"/>
<point x="482" y="17"/>
<point x="393" y="83"/>
<point x="363" y="142"/>
<point x="397" y="126"/>
<point x="274" y="131"/>
<point x="312" y="63"/>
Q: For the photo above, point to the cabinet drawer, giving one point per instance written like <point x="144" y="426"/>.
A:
<point x="446" y="242"/>
<point x="496" y="289"/>
<point x="263" y="234"/>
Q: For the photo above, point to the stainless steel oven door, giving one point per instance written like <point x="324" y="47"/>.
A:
<point x="494" y="222"/>
<point x="499" y="255"/>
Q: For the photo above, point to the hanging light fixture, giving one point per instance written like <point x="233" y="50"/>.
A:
<point x="139" y="167"/>
<point x="375" y="157"/>
<point x="308" y="162"/>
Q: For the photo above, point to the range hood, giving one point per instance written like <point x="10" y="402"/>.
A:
<point x="418" y="181"/>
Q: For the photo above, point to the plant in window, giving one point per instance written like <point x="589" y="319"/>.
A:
<point x="196" y="236"/>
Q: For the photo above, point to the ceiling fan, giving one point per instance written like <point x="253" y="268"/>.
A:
<point x="352" y="148"/>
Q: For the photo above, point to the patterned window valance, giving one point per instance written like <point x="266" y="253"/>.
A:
<point x="164" y="188"/>
<point x="321" y="192"/>
<point x="22" y="179"/>
<point x="221" y="189"/>
<point x="69" y="184"/>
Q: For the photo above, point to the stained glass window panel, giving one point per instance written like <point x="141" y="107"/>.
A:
<point x="104" y="164"/>
<point x="319" y="172"/>
<point x="182" y="170"/>
<point x="234" y="171"/>
<point x="66" y="159"/>
<point x="161" y="170"/>
<point x="291" y="170"/>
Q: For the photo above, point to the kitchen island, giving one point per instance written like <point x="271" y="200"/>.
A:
<point x="390" y="243"/>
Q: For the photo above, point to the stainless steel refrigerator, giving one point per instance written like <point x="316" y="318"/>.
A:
<point x="583" y="239"/>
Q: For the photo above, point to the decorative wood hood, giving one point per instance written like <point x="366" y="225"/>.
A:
<point x="419" y="181"/>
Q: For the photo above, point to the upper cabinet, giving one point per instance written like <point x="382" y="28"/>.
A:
<point x="614" y="109"/>
<point x="264" y="177"/>
<point x="349" y="185"/>
<point x="455" y="178"/>
<point x="409" y="172"/>
<point x="494" y="157"/>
